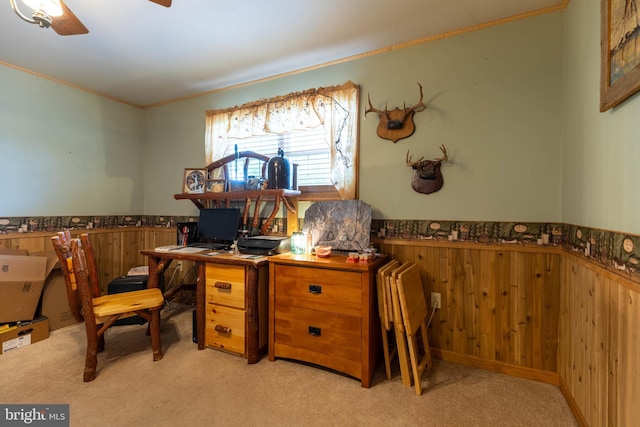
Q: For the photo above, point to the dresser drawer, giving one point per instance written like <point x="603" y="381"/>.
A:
<point x="320" y="332"/>
<point x="225" y="285"/>
<point x="225" y="328"/>
<point x="320" y="289"/>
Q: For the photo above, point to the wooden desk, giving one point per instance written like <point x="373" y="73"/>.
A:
<point x="227" y="286"/>
<point x="324" y="311"/>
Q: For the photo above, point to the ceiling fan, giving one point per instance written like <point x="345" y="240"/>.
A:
<point x="56" y="14"/>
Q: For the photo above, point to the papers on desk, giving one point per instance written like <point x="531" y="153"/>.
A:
<point x="250" y="256"/>
<point x="180" y="249"/>
<point x="168" y="248"/>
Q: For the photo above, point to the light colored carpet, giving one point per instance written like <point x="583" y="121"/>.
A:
<point x="211" y="388"/>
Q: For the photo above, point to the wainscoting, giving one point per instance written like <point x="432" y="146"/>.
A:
<point x="538" y="312"/>
<point x="546" y="313"/>
<point x="117" y="250"/>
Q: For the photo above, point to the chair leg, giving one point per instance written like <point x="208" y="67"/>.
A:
<point x="154" y="327"/>
<point x="91" y="358"/>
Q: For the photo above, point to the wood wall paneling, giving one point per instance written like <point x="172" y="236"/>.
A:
<point x="496" y="305"/>
<point x="599" y="353"/>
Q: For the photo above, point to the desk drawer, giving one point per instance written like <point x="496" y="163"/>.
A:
<point x="319" y="289"/>
<point x="320" y="332"/>
<point x="225" y="328"/>
<point x="225" y="285"/>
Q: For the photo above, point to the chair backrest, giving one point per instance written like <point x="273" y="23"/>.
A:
<point x="62" y="247"/>
<point x="84" y="271"/>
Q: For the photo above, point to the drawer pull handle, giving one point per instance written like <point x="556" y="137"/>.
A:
<point x="223" y="329"/>
<point x="315" y="331"/>
<point x="222" y="285"/>
<point x="315" y="289"/>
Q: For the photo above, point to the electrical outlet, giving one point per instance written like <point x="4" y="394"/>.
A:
<point x="179" y="266"/>
<point x="435" y="300"/>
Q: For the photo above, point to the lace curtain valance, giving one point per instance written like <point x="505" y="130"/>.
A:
<point x="334" y="108"/>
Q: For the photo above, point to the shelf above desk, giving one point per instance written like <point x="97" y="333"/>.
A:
<point x="223" y="199"/>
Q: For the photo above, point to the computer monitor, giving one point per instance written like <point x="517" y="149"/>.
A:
<point x="219" y="225"/>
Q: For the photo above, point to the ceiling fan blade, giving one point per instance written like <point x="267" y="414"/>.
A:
<point x="68" y="24"/>
<point x="165" y="3"/>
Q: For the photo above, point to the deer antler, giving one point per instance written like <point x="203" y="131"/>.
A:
<point x="420" y="104"/>
<point x="444" y="151"/>
<point x="414" y="164"/>
<point x="371" y="108"/>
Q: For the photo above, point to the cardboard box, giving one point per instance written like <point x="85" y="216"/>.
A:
<point x="22" y="279"/>
<point x="55" y="303"/>
<point x="24" y="335"/>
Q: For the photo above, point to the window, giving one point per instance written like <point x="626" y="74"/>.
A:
<point x="306" y="148"/>
<point x="317" y="129"/>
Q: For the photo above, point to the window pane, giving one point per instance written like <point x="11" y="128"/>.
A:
<point x="307" y="148"/>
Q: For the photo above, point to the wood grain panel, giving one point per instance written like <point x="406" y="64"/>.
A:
<point x="500" y="305"/>
<point x="599" y="349"/>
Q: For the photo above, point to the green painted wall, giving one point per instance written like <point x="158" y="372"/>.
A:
<point x="67" y="152"/>
<point x="495" y="98"/>
<point x="601" y="151"/>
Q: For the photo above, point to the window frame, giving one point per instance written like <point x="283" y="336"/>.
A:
<point x="336" y="108"/>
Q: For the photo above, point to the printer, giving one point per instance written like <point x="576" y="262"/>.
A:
<point x="264" y="245"/>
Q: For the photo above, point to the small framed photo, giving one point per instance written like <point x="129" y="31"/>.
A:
<point x="194" y="180"/>
<point x="216" y="186"/>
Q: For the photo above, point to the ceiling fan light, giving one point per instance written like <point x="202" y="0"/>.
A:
<point x="49" y="7"/>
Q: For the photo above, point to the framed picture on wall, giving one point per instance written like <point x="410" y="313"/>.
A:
<point x="620" y="52"/>
<point x="194" y="180"/>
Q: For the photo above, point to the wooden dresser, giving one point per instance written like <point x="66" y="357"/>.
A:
<point x="324" y="311"/>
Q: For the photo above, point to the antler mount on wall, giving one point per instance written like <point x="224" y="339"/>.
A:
<point x="427" y="177"/>
<point x="398" y="123"/>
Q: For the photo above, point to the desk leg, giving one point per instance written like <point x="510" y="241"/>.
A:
<point x="201" y="283"/>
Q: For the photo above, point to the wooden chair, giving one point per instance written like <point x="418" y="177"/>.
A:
<point x="414" y="317"/>
<point x="99" y="313"/>
<point x="386" y="314"/>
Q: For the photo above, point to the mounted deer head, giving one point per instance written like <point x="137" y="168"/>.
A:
<point x="397" y="123"/>
<point x="427" y="177"/>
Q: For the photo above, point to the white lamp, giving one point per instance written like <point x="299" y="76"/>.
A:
<point x="41" y="11"/>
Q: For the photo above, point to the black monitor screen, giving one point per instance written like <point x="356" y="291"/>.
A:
<point x="218" y="225"/>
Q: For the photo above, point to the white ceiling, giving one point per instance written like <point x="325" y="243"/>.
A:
<point x="143" y="54"/>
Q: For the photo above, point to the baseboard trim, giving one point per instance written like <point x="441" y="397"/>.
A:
<point x="496" y="366"/>
<point x="572" y="404"/>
